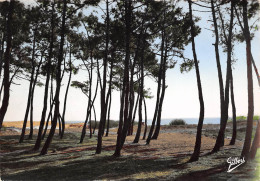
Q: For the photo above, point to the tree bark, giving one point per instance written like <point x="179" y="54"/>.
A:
<point x="50" y="111"/>
<point x="46" y="91"/>
<point x="158" y="91"/>
<point x="145" y="126"/>
<point x="220" y="77"/>
<point x="108" y="114"/>
<point x="29" y="95"/>
<point x="141" y="94"/>
<point x="221" y="134"/>
<point x="196" y="152"/>
<point x="234" y="133"/>
<point x="103" y="89"/>
<point x="134" y="114"/>
<point x="32" y="97"/>
<point x="158" y="124"/>
<point x="7" y="58"/>
<point x="125" y="89"/>
<point x="65" y="99"/>
<point x="58" y="82"/>
<point x="247" y="142"/>
<point x="256" y="142"/>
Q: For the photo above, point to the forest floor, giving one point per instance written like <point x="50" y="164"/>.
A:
<point x="164" y="159"/>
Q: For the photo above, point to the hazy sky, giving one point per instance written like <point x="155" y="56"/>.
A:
<point x="181" y="97"/>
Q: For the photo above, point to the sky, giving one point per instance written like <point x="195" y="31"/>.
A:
<point x="181" y="97"/>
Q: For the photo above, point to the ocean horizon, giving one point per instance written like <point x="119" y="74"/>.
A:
<point x="166" y="121"/>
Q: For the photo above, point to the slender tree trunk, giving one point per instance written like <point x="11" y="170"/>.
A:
<point x="7" y="58"/>
<point x="29" y="96"/>
<point x="65" y="99"/>
<point x="2" y="49"/>
<point x="94" y="108"/>
<point x="103" y="89"/>
<point x="220" y="77"/>
<point x="158" y="125"/>
<point x="50" y="111"/>
<point x="134" y="114"/>
<point x="221" y="134"/>
<point x="256" y="142"/>
<point x="90" y="125"/>
<point x="196" y="152"/>
<point x="32" y="98"/>
<point x="141" y="92"/>
<point x="125" y="90"/>
<point x="108" y="114"/>
<point x="95" y="119"/>
<point x="58" y="82"/>
<point x="90" y="103"/>
<point x="158" y="91"/>
<point x="145" y="126"/>
<point x="247" y="142"/>
<point x="59" y="122"/>
<point x="44" y="110"/>
<point x="234" y="133"/>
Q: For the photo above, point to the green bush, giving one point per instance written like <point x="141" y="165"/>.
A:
<point x="177" y="122"/>
<point x="244" y="118"/>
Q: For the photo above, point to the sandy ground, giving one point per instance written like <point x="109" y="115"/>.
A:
<point x="164" y="159"/>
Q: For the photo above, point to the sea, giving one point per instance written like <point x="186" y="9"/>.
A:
<point x="167" y="121"/>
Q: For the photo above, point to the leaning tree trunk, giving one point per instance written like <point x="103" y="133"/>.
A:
<point x="158" y="124"/>
<point x="46" y="91"/>
<point x="125" y="90"/>
<point x="29" y="96"/>
<point x="7" y="58"/>
<point x="134" y="114"/>
<point x="32" y="98"/>
<point x="103" y="89"/>
<point x="145" y="124"/>
<point x="158" y="92"/>
<point x="58" y="82"/>
<point x="109" y="94"/>
<point x="50" y="111"/>
<point x="141" y="95"/>
<point x="220" y="77"/>
<point x="108" y="114"/>
<point x="234" y="133"/>
<point x="196" y="152"/>
<point x="65" y="99"/>
<point x="221" y="134"/>
<point x="247" y="142"/>
<point x="95" y="126"/>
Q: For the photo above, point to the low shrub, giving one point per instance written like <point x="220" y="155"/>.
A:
<point x="177" y="122"/>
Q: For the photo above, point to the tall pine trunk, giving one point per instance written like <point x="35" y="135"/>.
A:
<point x="58" y="82"/>
<point x="145" y="123"/>
<point x="196" y="152"/>
<point x="32" y="98"/>
<point x="103" y="89"/>
<point x="46" y="91"/>
<point x="125" y="89"/>
<point x="65" y="99"/>
<point x="7" y="58"/>
<point x="247" y="142"/>
<point x="29" y="94"/>
<point x="221" y="134"/>
<point x="234" y="133"/>
<point x="158" y="124"/>
<point x="220" y="77"/>
<point x="158" y="91"/>
<point x="256" y="142"/>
